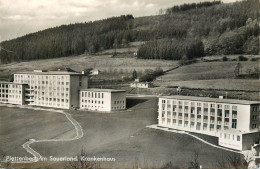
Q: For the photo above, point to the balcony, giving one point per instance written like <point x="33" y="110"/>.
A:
<point x="226" y="123"/>
<point x="29" y="99"/>
<point x="186" y="118"/>
<point x="199" y="120"/>
<point x="234" y="116"/>
<point x="219" y="122"/>
<point x="212" y="113"/>
<point x="205" y="120"/>
<point x="212" y="121"/>
<point x="192" y="119"/>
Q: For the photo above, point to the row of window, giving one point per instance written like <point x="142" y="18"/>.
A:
<point x="4" y="85"/>
<point x="41" y="76"/>
<point x="92" y="94"/>
<point x="229" y="124"/>
<point x="4" y="95"/>
<point x="4" y="91"/>
<point x="53" y="99"/>
<point x="51" y="104"/>
<point x="118" y="107"/>
<point x="92" y="101"/>
<point x="199" y="104"/>
<point x="50" y="88"/>
<point x="119" y="102"/>
<point x="230" y="136"/>
<point x="16" y="91"/>
<point x="15" y="96"/>
<point x="51" y="93"/>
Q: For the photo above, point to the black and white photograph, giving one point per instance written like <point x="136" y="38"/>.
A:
<point x="118" y="84"/>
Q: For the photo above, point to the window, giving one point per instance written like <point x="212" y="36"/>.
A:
<point x="234" y="108"/>
<point x="238" y="138"/>
<point x="234" y="123"/>
<point x="254" y="117"/>
<point x="226" y="107"/>
<point x="255" y="108"/>
<point x="253" y="126"/>
<point x="163" y="101"/>
<point x="219" y="106"/>
<point x="102" y="95"/>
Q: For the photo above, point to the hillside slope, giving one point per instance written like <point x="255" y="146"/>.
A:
<point x="193" y="32"/>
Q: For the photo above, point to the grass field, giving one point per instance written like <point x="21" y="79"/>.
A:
<point x="79" y="63"/>
<point x="213" y="75"/>
<point x="19" y="125"/>
<point x="121" y="135"/>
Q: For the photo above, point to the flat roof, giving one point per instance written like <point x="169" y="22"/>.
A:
<point x="103" y="90"/>
<point x="208" y="99"/>
<point x="52" y="73"/>
<point x="5" y="82"/>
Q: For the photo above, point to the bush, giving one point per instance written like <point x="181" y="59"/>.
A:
<point x="242" y="58"/>
<point x="254" y="59"/>
<point x="224" y="59"/>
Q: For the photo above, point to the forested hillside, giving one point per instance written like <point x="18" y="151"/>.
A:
<point x="186" y="31"/>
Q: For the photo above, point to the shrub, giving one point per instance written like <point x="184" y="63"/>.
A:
<point x="254" y="59"/>
<point x="242" y="58"/>
<point x="224" y="59"/>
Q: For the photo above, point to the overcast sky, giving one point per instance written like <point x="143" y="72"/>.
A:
<point x="19" y="17"/>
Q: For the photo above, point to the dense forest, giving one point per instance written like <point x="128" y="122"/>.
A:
<point x="185" y="31"/>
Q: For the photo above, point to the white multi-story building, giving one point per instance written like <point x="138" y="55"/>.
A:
<point x="4" y="92"/>
<point x="105" y="100"/>
<point x="234" y="122"/>
<point x="58" y="89"/>
<point x="13" y="93"/>
<point x="17" y="93"/>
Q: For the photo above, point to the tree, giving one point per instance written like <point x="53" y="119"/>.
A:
<point x="134" y="75"/>
<point x="238" y="69"/>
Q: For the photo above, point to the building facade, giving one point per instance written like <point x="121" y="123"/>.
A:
<point x="211" y="116"/>
<point x="144" y="85"/>
<point x="58" y="89"/>
<point x="104" y="100"/>
<point x="13" y="93"/>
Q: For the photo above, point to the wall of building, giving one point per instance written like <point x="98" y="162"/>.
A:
<point x="74" y="91"/>
<point x="95" y="101"/>
<point x="255" y="117"/>
<point x="203" y="117"/>
<point x="250" y="139"/>
<point x="243" y="117"/>
<point x="16" y="94"/>
<point x="4" y="93"/>
<point x="230" y="140"/>
<point x="118" y="101"/>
